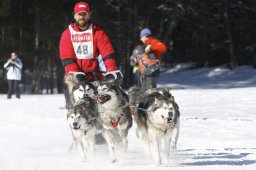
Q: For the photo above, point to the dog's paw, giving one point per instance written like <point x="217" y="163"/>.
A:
<point x="114" y="160"/>
<point x="83" y="160"/>
<point x="125" y="147"/>
<point x="165" y="159"/>
<point x="165" y="162"/>
<point x="143" y="136"/>
<point x="158" y="162"/>
<point x="173" y="147"/>
<point x="72" y="147"/>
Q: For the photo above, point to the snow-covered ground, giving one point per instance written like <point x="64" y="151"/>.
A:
<point x="218" y="125"/>
<point x="218" y="77"/>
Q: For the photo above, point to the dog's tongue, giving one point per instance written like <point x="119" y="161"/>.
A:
<point x="133" y="111"/>
<point x="94" y="97"/>
<point x="115" y="124"/>
<point x="166" y="122"/>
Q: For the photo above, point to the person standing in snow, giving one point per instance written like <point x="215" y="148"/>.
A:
<point x="13" y="67"/>
<point x="80" y="45"/>
<point x="150" y="67"/>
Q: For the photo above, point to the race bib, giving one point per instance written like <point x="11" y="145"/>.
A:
<point x="82" y="43"/>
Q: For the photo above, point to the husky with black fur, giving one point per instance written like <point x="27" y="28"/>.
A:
<point x="158" y="118"/>
<point x="114" y="114"/>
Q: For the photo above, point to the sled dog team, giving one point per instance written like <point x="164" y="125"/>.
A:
<point x="111" y="111"/>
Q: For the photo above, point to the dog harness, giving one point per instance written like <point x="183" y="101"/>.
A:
<point x="138" y="108"/>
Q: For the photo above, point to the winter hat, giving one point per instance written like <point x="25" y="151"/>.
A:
<point x="81" y="7"/>
<point x="145" y="32"/>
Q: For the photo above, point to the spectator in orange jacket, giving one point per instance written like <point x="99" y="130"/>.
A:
<point x="154" y="48"/>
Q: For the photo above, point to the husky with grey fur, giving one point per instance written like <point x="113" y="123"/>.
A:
<point x="114" y="114"/>
<point x="82" y="95"/>
<point x="82" y="122"/>
<point x="79" y="92"/>
<point x="157" y="117"/>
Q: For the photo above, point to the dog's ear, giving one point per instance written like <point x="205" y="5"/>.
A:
<point x="90" y="85"/>
<point x="156" y="101"/>
<point x="71" y="110"/>
<point x="77" y="86"/>
<point x="68" y="107"/>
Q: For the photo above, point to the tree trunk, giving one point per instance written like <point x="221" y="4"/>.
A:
<point x="59" y="75"/>
<point x="128" y="74"/>
<point x="233" y="62"/>
<point x="206" y="39"/>
<point x="36" y="69"/>
<point x="160" y="32"/>
<point x="50" y="70"/>
<point x="35" y="78"/>
<point x="2" y="47"/>
<point x="37" y="28"/>
<point x="21" y="27"/>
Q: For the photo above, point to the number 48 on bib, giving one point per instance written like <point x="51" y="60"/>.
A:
<point x="82" y="49"/>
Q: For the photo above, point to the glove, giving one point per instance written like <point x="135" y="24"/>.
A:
<point x="114" y="77"/>
<point x="148" y="48"/>
<point x="80" y="76"/>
